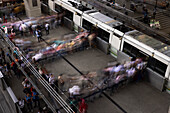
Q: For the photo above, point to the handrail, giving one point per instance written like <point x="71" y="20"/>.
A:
<point x="53" y="93"/>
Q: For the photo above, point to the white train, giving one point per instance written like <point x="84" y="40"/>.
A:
<point x="119" y="40"/>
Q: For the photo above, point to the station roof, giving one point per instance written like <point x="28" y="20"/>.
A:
<point x="150" y="41"/>
<point x="105" y="19"/>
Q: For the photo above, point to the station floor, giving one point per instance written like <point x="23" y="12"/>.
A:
<point x="138" y="97"/>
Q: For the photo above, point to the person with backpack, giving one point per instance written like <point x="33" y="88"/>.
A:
<point x="28" y="100"/>
<point x="35" y="98"/>
<point x="38" y="35"/>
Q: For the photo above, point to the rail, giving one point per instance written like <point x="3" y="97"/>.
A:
<point x="9" y="95"/>
<point x="53" y="93"/>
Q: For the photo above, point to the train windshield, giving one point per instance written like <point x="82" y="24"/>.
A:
<point x="123" y="28"/>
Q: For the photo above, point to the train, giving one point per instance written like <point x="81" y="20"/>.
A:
<point x="119" y="40"/>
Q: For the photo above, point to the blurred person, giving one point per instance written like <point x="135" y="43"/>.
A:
<point x="35" y="96"/>
<point x="31" y="29"/>
<point x="73" y="105"/>
<point x="28" y="100"/>
<point x="20" y="29"/>
<point x="51" y="80"/>
<point x="24" y="28"/>
<point x="83" y="106"/>
<point x="3" y="55"/>
<point x="5" y="29"/>
<point x="5" y="17"/>
<point x="61" y="83"/>
<point x="21" y="104"/>
<point x="12" y="33"/>
<point x="27" y="87"/>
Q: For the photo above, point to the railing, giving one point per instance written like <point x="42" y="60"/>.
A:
<point x="37" y="75"/>
<point x="9" y="96"/>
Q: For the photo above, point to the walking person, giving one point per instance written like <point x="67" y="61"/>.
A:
<point x="47" y="28"/>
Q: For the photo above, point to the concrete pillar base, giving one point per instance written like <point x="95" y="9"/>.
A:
<point x="32" y="8"/>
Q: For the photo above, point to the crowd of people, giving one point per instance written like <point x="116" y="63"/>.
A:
<point x="80" y="42"/>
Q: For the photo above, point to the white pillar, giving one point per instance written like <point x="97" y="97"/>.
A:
<point x="32" y="8"/>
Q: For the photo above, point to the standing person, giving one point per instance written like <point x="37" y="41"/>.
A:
<point x="24" y="28"/>
<point x="47" y="27"/>
<point x="31" y="29"/>
<point x="28" y="100"/>
<point x="83" y="106"/>
<point x="12" y="16"/>
<point x="3" y="55"/>
<point x="38" y="35"/>
<point x="52" y="80"/>
<point x="5" y="17"/>
<point x="73" y="105"/>
<point x="61" y="83"/>
<point x="21" y="104"/>
<point x="35" y="96"/>
<point x="5" y="29"/>
<point x="12" y="33"/>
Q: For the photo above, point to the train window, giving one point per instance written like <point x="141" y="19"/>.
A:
<point x="69" y="14"/>
<point x="103" y="34"/>
<point x="87" y="25"/>
<point x="157" y="66"/>
<point x="134" y="52"/>
<point x="83" y="8"/>
<point x="123" y="28"/>
<point x="58" y="8"/>
<point x="117" y="35"/>
<point x="127" y="48"/>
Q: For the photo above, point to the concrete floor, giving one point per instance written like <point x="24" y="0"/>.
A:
<point x="134" y="98"/>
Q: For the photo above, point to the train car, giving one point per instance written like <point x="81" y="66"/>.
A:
<point x="135" y="44"/>
<point x="103" y="26"/>
<point x="72" y="15"/>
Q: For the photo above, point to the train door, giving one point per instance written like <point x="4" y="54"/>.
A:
<point x="156" y="67"/>
<point x="115" y="42"/>
<point x="102" y="39"/>
<point x="77" y="21"/>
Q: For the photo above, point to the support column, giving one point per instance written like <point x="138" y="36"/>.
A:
<point x="32" y="8"/>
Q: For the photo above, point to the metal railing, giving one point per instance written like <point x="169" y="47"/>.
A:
<point x="46" y="85"/>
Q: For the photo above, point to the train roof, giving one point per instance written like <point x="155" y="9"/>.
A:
<point x="150" y="41"/>
<point x="105" y="19"/>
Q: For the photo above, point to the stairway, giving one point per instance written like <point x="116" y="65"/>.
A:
<point x="164" y="19"/>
